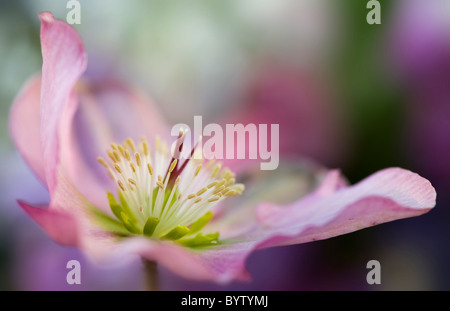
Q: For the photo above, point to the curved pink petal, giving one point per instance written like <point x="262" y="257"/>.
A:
<point x="331" y="210"/>
<point x="64" y="60"/>
<point x="79" y="123"/>
<point x="387" y="195"/>
<point x="59" y="226"/>
<point x="24" y="124"/>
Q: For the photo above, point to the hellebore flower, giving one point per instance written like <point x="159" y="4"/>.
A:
<point x="141" y="200"/>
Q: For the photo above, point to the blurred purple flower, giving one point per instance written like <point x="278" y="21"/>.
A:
<point x="310" y="125"/>
<point x="420" y="55"/>
<point x="61" y="125"/>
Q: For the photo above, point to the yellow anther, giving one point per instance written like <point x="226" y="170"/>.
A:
<point x="145" y="147"/>
<point x="197" y="200"/>
<point x="121" y="185"/>
<point x="230" y="182"/>
<point x="231" y="193"/>
<point x="225" y="191"/>
<point x="197" y="170"/>
<point x="127" y="155"/>
<point x="131" y="144"/>
<point x="216" y="170"/>
<point x="138" y="159"/>
<point x="150" y="169"/>
<point x="133" y="167"/>
<point x="212" y="184"/>
<point x="116" y="155"/>
<point x="172" y="166"/>
<point x="102" y="162"/>
<point x="221" y="183"/>
<point x="201" y="191"/>
<point x="112" y="156"/>
<point x="213" y="199"/>
<point x="219" y="189"/>
<point x="121" y="150"/>
<point x="114" y="146"/>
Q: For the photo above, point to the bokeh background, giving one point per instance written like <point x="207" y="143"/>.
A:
<point x="346" y="94"/>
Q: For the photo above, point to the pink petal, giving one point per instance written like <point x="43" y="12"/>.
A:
<point x="60" y="226"/>
<point x="89" y="235"/>
<point x="64" y="61"/>
<point x="211" y="265"/>
<point x="69" y="222"/>
<point x="120" y="110"/>
<point x="387" y="195"/>
<point x="24" y="124"/>
<point x="331" y="183"/>
<point x="78" y="172"/>
<point x="81" y="123"/>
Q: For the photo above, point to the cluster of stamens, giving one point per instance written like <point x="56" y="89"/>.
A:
<point x="162" y="198"/>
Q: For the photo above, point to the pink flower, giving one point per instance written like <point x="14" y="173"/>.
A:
<point x="159" y="209"/>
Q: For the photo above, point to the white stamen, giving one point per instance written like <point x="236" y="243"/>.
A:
<point x="144" y="179"/>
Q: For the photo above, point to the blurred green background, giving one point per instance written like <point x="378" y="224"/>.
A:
<point x="365" y="95"/>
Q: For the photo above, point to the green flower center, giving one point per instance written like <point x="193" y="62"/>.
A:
<point x="160" y="198"/>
